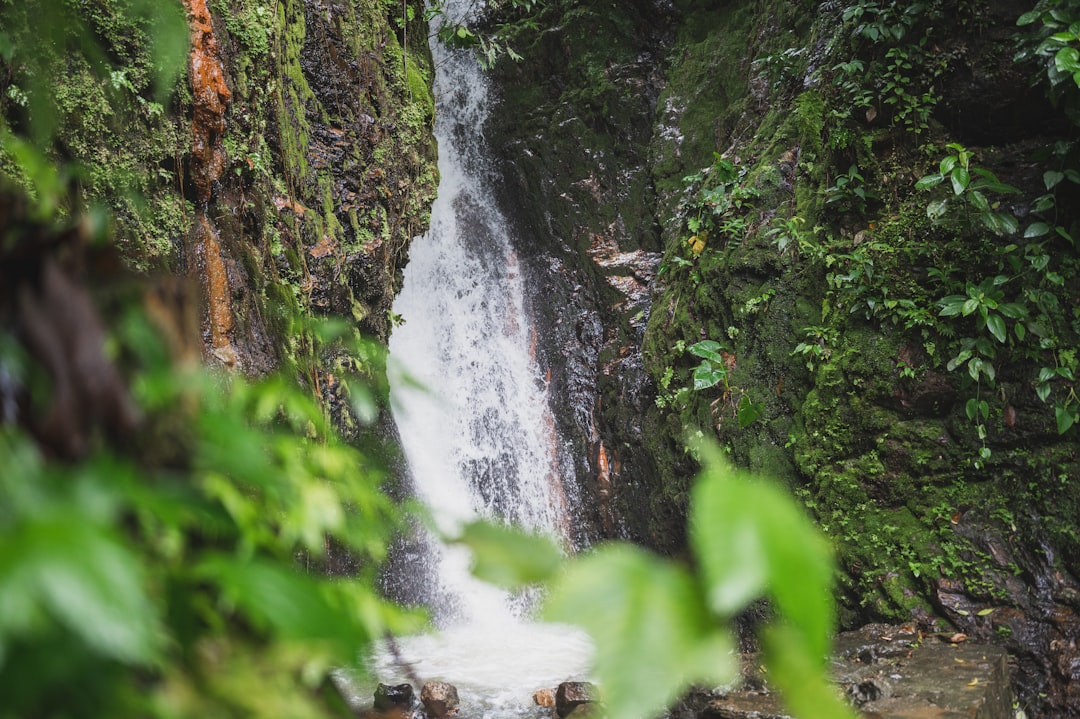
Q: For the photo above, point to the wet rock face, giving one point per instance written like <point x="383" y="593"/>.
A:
<point x="368" y="153"/>
<point x="573" y="128"/>
<point x="544" y="698"/>
<point x="1027" y="604"/>
<point x="987" y="98"/>
<point x="210" y="99"/>
<point x="871" y="448"/>
<point x="314" y="159"/>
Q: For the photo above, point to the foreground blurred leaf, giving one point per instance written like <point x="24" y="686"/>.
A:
<point x="509" y="557"/>
<point x="749" y="534"/>
<point x="82" y="576"/>
<point x="795" y="670"/>
<point x="653" y="635"/>
<point x="285" y="602"/>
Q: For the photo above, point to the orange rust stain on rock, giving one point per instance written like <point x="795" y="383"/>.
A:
<point x="218" y="318"/>
<point x="211" y="97"/>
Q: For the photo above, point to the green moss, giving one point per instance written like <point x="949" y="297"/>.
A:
<point x="420" y="89"/>
<point x="810" y="119"/>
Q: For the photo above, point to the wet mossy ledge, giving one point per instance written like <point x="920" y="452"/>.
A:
<point x="327" y="165"/>
<point x="772" y="155"/>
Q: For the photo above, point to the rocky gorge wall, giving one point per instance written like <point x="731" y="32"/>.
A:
<point x="746" y="174"/>
<point x="284" y="178"/>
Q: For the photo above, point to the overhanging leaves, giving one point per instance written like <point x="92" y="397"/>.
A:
<point x="653" y="634"/>
<point x="508" y="557"/>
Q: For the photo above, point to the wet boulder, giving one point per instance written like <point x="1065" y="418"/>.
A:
<point x="440" y="699"/>
<point x="394" y="696"/>
<point x="572" y="695"/>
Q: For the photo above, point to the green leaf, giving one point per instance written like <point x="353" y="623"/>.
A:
<point x="509" y="557"/>
<point x="707" y="349"/>
<point x="1029" y="17"/>
<point x="1013" y="310"/>
<point x="989" y="181"/>
<point x="996" y="325"/>
<point x="1003" y="223"/>
<point x="284" y="602"/>
<point x="1067" y="59"/>
<point x="978" y="201"/>
<point x="747" y="532"/>
<point x="48" y="181"/>
<point x="1066" y="418"/>
<point x="1051" y="178"/>
<point x="929" y="181"/>
<point x="937" y="208"/>
<point x="952" y="305"/>
<point x="960" y="180"/>
<point x="1042" y="391"/>
<point x="708" y="375"/>
<point x="974" y="366"/>
<point x="169" y="43"/>
<point x="958" y="360"/>
<point x="728" y="541"/>
<point x="749" y="411"/>
<point x="971" y="409"/>
<point x="654" y="637"/>
<point x="797" y="671"/>
<point x="1036" y="229"/>
<point x="86" y="579"/>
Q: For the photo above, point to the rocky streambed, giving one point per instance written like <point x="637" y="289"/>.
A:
<point x="886" y="671"/>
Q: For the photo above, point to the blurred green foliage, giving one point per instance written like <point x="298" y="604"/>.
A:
<point x="136" y="586"/>
<point x="661" y="627"/>
<point x="182" y="570"/>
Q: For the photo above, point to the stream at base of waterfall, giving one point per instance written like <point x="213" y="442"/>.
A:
<point x="471" y="408"/>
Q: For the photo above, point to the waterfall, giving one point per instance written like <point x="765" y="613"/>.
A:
<point x="471" y="407"/>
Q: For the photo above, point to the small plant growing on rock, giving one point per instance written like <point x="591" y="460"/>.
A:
<point x="973" y="188"/>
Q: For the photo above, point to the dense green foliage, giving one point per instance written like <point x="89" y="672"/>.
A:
<point x="892" y="281"/>
<point x="102" y="109"/>
<point x="176" y="585"/>
<point x="183" y="565"/>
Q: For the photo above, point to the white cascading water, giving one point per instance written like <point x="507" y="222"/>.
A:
<point x="471" y="408"/>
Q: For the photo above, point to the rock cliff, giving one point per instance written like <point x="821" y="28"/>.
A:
<point x="752" y="227"/>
